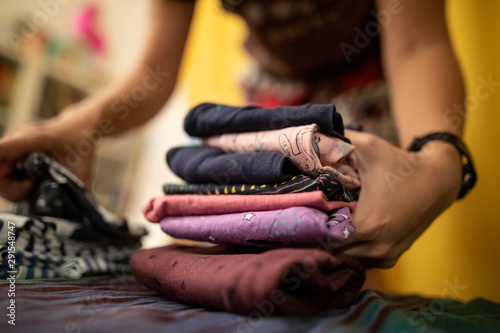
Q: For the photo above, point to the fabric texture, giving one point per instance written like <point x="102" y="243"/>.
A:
<point x="294" y="39"/>
<point x="192" y="204"/>
<point x="360" y="96"/>
<point x="296" y="281"/>
<point x="59" y="193"/>
<point x="312" y="152"/>
<point x="118" y="303"/>
<point x="296" y="226"/>
<point x="61" y="231"/>
<point x="43" y="248"/>
<point x="211" y="165"/>
<point x="327" y="183"/>
<point x="207" y="119"/>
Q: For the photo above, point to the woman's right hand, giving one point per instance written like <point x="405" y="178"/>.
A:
<point x="71" y="137"/>
<point x="59" y="137"/>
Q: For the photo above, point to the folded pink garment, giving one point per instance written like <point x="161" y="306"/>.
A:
<point x="199" y="204"/>
<point x="311" y="151"/>
<point x="275" y="282"/>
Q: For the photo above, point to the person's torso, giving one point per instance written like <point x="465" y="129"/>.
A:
<point x="303" y="38"/>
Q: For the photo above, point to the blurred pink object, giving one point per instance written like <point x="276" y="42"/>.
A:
<point x="85" y="26"/>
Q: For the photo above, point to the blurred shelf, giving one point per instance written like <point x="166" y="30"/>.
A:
<point x="45" y="82"/>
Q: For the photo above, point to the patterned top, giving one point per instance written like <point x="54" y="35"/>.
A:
<point x="120" y="304"/>
<point x="302" y="39"/>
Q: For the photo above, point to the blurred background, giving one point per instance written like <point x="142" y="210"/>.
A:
<point x="55" y="52"/>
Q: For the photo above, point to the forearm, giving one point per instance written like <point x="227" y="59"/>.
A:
<point x="429" y="84"/>
<point x="424" y="78"/>
<point x="123" y="105"/>
<point x="138" y="96"/>
<point x="403" y="192"/>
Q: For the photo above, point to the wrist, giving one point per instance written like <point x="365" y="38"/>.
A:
<point x="73" y="132"/>
<point x="445" y="170"/>
<point x="444" y="152"/>
<point x="445" y="156"/>
<point x="79" y="117"/>
<point x="448" y="152"/>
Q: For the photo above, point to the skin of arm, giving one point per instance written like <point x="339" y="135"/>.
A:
<point x="105" y="112"/>
<point x="403" y="192"/>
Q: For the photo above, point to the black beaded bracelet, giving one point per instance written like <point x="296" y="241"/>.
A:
<point x="469" y="176"/>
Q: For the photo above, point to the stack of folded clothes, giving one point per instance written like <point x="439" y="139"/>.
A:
<point x="61" y="231"/>
<point x="281" y="179"/>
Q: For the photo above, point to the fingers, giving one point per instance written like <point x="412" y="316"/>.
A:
<point x="359" y="138"/>
<point x="371" y="255"/>
<point x="11" y="188"/>
<point x="16" y="147"/>
<point x="368" y="245"/>
<point x="15" y="190"/>
<point x="13" y="148"/>
<point x="9" y="131"/>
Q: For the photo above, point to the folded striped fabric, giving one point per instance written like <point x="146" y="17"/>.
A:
<point x="61" y="194"/>
<point x="61" y="231"/>
<point x="327" y="183"/>
<point x="43" y="248"/>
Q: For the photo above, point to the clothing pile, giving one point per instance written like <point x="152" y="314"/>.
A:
<point x="61" y="231"/>
<point x="275" y="189"/>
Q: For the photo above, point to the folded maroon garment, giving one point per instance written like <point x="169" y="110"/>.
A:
<point x="275" y="282"/>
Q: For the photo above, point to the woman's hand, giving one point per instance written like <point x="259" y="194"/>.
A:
<point x="58" y="137"/>
<point x="401" y="194"/>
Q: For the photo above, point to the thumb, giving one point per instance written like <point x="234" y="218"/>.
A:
<point x="11" y="188"/>
<point x="361" y="143"/>
<point x="12" y="150"/>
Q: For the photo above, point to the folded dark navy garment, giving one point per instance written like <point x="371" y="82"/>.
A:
<point x="60" y="194"/>
<point x="212" y="165"/>
<point x="209" y="119"/>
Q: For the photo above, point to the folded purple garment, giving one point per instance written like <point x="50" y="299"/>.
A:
<point x="291" y="226"/>
<point x="275" y="282"/>
<point x="207" y="119"/>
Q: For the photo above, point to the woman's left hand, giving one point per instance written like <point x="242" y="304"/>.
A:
<point x="401" y="194"/>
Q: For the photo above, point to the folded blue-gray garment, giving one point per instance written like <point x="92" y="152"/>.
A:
<point x="212" y="165"/>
